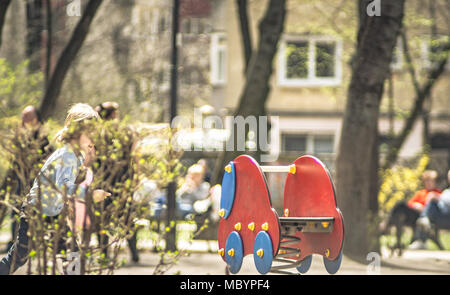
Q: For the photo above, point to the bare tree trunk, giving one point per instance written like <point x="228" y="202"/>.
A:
<point x="35" y="27"/>
<point x="67" y="57"/>
<point x="357" y="160"/>
<point x="49" y="26"/>
<point x="3" y="9"/>
<point x="245" y="31"/>
<point x="256" y="89"/>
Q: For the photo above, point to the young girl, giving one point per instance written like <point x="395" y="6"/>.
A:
<point x="57" y="178"/>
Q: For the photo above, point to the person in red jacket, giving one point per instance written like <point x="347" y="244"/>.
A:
<point x="421" y="197"/>
<point x="419" y="201"/>
<point x="406" y="213"/>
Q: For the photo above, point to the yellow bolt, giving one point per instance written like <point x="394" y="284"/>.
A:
<point x="251" y="226"/>
<point x="260" y="253"/>
<point x="231" y="252"/>
<point x="237" y="226"/>
<point x="265" y="226"/>
<point x="228" y="168"/>
<point x="286" y="212"/>
<point x="221" y="212"/>
<point x="327" y="253"/>
<point x="292" y="169"/>
<point x="221" y="251"/>
<point x="325" y="224"/>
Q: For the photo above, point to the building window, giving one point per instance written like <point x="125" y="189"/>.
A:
<point x="323" y="144"/>
<point x="310" y="61"/>
<point x="432" y="52"/>
<point x="308" y="143"/>
<point x="194" y="26"/>
<point x="294" y="142"/>
<point x="440" y="141"/>
<point x="218" y="59"/>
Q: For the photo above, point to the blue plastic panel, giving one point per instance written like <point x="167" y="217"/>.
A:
<point x="234" y="242"/>
<point x="228" y="190"/>
<point x="305" y="264"/>
<point x="332" y="266"/>
<point x="263" y="242"/>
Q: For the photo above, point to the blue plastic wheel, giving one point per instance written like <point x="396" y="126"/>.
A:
<point x="305" y="264"/>
<point x="228" y="190"/>
<point x="234" y="252"/>
<point x="263" y="252"/>
<point x="332" y="266"/>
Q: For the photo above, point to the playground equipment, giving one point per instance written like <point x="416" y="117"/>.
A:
<point x="311" y="224"/>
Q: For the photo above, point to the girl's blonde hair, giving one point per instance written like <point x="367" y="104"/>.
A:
<point x="77" y="114"/>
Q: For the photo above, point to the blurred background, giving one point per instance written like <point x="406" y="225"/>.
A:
<point x="55" y="53"/>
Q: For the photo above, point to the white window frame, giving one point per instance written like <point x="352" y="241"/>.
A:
<point x="216" y="47"/>
<point x="311" y="80"/>
<point x="310" y="137"/>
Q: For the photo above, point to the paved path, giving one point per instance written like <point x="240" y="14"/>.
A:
<point x="417" y="262"/>
<point x="199" y="262"/>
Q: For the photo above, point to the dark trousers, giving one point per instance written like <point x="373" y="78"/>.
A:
<point x="17" y="255"/>
<point x="14" y="224"/>
<point x="436" y="215"/>
<point x="18" y="252"/>
<point x="132" y="244"/>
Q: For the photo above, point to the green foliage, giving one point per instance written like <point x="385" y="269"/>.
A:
<point x="126" y="155"/>
<point x="18" y="88"/>
<point x="400" y="183"/>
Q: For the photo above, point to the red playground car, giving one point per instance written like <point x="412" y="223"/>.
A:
<point x="311" y="224"/>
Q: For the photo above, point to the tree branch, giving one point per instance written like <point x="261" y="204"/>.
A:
<point x="49" y="42"/>
<point x="4" y="4"/>
<point x="67" y="57"/>
<point x="245" y="31"/>
<point x="421" y="95"/>
<point x="409" y="63"/>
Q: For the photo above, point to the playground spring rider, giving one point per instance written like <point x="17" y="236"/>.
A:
<point x="311" y="224"/>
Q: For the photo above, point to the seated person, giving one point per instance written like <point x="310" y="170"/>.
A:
<point x="149" y="194"/>
<point x="407" y="213"/>
<point x="419" y="202"/>
<point x="193" y="189"/>
<point x="437" y="211"/>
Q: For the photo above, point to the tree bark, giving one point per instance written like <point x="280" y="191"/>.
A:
<point x="256" y="89"/>
<point x="35" y="27"/>
<point x="245" y="31"/>
<point x="3" y="9"/>
<point x="48" y="56"/>
<point x="357" y="160"/>
<point x="67" y="57"/>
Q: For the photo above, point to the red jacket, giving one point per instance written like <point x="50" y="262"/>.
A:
<point x="421" y="197"/>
